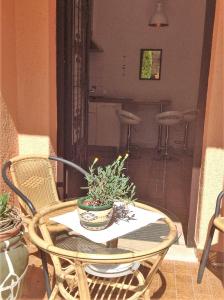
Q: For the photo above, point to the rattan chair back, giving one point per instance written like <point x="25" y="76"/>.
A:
<point x="34" y="177"/>
<point x="34" y="184"/>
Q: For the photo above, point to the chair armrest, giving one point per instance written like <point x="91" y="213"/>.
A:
<point x="15" y="189"/>
<point x="69" y="163"/>
<point x="218" y="204"/>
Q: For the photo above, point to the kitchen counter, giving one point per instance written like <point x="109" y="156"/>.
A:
<point x="110" y="99"/>
<point x="128" y="101"/>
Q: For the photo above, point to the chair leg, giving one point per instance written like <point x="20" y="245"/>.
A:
<point x="205" y="254"/>
<point x="46" y="274"/>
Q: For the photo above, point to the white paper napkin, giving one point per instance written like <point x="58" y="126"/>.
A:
<point x="141" y="218"/>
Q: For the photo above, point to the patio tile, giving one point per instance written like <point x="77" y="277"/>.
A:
<point x="168" y="280"/>
<point x="217" y="291"/>
<point x="185" y="294"/>
<point x="166" y="285"/>
<point x="184" y="285"/>
<point x="183" y="297"/>
<point x="167" y="267"/>
<point x="193" y="267"/>
<point x="166" y="296"/>
<point x="182" y="268"/>
<point x="203" y="287"/>
<point x="203" y="297"/>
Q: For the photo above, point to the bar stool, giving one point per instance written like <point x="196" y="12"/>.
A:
<point x="167" y="119"/>
<point x="188" y="117"/>
<point x="129" y="119"/>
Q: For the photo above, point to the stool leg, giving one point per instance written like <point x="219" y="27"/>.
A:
<point x="166" y="141"/>
<point x="186" y="136"/>
<point x="159" y="142"/>
<point x="205" y="254"/>
<point x="128" y="138"/>
<point x="160" y="133"/>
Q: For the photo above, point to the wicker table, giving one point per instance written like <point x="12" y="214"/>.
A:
<point x="127" y="261"/>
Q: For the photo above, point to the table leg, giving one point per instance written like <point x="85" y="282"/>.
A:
<point x="146" y="295"/>
<point x="54" y="292"/>
<point x="112" y="244"/>
<point x="154" y="268"/>
<point x="82" y="282"/>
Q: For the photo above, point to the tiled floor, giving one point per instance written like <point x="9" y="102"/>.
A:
<point x="164" y="184"/>
<point x="178" y="280"/>
<point x="175" y="281"/>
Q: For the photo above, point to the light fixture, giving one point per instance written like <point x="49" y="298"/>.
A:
<point x="159" y="18"/>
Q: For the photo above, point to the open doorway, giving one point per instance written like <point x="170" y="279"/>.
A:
<point x="114" y="84"/>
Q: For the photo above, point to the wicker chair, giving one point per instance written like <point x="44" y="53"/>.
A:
<point x="217" y="223"/>
<point x="33" y="182"/>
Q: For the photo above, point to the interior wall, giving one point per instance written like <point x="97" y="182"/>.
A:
<point x="121" y="29"/>
<point x="8" y="85"/>
<point x="212" y="174"/>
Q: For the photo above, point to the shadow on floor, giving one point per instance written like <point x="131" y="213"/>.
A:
<point x="33" y="285"/>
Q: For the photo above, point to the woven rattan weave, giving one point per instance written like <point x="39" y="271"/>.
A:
<point x="34" y="177"/>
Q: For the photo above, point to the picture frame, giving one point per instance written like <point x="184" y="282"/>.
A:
<point x="150" y="64"/>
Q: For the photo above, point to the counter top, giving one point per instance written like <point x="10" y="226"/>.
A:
<point x="123" y="100"/>
<point x="151" y="102"/>
<point x="110" y="99"/>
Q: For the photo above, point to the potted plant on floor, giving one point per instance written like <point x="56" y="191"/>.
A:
<point x="13" y="253"/>
<point x="106" y="186"/>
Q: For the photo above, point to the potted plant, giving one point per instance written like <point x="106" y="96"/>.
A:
<point x="106" y="185"/>
<point x="13" y="253"/>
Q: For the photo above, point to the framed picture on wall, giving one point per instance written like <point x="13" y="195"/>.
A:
<point x="150" y="64"/>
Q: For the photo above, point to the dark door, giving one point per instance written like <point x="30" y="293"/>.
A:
<point x="73" y="27"/>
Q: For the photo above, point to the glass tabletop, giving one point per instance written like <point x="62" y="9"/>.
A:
<point x="150" y="238"/>
<point x="117" y="257"/>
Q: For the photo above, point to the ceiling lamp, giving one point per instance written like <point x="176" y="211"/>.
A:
<point x="159" y="18"/>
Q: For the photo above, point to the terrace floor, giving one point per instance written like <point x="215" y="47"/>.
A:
<point x="176" y="280"/>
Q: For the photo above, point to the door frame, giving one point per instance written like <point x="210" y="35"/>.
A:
<point x="64" y="28"/>
<point x="199" y="133"/>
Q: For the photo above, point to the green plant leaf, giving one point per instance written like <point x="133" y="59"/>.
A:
<point x="3" y="203"/>
<point x="110" y="184"/>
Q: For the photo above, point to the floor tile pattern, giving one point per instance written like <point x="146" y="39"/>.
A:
<point x="174" y="281"/>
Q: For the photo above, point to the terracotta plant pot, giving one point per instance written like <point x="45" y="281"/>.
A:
<point x="13" y="263"/>
<point x="94" y="217"/>
<point x="10" y="233"/>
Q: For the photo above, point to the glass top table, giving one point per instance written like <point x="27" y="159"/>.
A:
<point x="123" y="267"/>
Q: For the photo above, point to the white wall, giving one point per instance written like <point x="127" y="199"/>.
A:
<point x="120" y="28"/>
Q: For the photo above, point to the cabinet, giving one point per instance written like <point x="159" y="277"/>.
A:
<point x="104" y="124"/>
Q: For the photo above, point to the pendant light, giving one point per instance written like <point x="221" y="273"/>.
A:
<point x="159" y="18"/>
